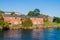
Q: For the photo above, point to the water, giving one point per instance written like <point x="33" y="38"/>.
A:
<point x="53" y="34"/>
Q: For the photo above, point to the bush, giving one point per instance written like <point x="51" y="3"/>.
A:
<point x="2" y="23"/>
<point x="27" y="22"/>
<point x="56" y="19"/>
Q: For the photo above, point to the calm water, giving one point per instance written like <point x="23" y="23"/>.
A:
<point x="52" y="34"/>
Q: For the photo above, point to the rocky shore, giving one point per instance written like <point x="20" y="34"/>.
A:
<point x="34" y="27"/>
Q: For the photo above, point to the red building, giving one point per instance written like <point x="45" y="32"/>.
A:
<point x="12" y="19"/>
<point x="37" y="20"/>
<point x="17" y="19"/>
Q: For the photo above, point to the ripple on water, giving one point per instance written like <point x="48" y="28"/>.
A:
<point x="38" y="34"/>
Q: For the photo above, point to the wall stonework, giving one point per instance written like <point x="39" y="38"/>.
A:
<point x="18" y="20"/>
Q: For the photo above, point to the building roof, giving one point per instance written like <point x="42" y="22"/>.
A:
<point x="5" y="15"/>
<point x="35" y="17"/>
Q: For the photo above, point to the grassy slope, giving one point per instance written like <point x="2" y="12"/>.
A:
<point x="51" y="24"/>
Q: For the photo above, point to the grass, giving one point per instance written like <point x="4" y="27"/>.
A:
<point x="51" y="24"/>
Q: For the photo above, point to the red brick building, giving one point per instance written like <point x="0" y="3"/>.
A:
<point x="12" y="19"/>
<point x="18" y="19"/>
<point x="37" y="20"/>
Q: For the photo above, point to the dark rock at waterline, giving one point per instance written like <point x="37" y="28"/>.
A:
<point x="5" y="29"/>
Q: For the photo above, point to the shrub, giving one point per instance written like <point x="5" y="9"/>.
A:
<point x="27" y="22"/>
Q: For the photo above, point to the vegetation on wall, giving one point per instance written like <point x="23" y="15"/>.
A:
<point x="27" y="22"/>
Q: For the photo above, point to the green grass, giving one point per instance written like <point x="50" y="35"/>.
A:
<point x="51" y="24"/>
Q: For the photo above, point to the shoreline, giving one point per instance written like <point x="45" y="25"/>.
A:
<point x="33" y="27"/>
<point x="37" y="27"/>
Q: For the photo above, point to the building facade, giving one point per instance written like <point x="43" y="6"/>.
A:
<point x="36" y="20"/>
<point x="13" y="19"/>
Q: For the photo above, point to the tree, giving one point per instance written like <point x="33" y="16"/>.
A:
<point x="2" y="23"/>
<point x="31" y="13"/>
<point x="1" y="11"/>
<point x="56" y="19"/>
<point x="12" y="13"/>
<point x="36" y="12"/>
<point x="27" y="22"/>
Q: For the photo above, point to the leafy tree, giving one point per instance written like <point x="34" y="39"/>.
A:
<point x="31" y="13"/>
<point x="1" y="17"/>
<point x="2" y="23"/>
<point x="36" y="12"/>
<point x="1" y="11"/>
<point x="27" y="22"/>
<point x="56" y="19"/>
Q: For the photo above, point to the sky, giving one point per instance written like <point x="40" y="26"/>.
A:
<point x="47" y="7"/>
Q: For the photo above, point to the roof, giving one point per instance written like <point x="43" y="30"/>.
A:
<point x="35" y="17"/>
<point x="5" y="15"/>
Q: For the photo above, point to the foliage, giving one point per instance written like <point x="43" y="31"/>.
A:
<point x="2" y="23"/>
<point x="56" y="22"/>
<point x="36" y="12"/>
<point x="12" y="13"/>
<point x="1" y="12"/>
<point x="56" y="19"/>
<point x="27" y="22"/>
<point x="31" y="13"/>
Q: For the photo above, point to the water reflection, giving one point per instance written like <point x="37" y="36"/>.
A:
<point x="12" y="34"/>
<point x="1" y="34"/>
<point x="26" y="35"/>
<point x="36" y="34"/>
